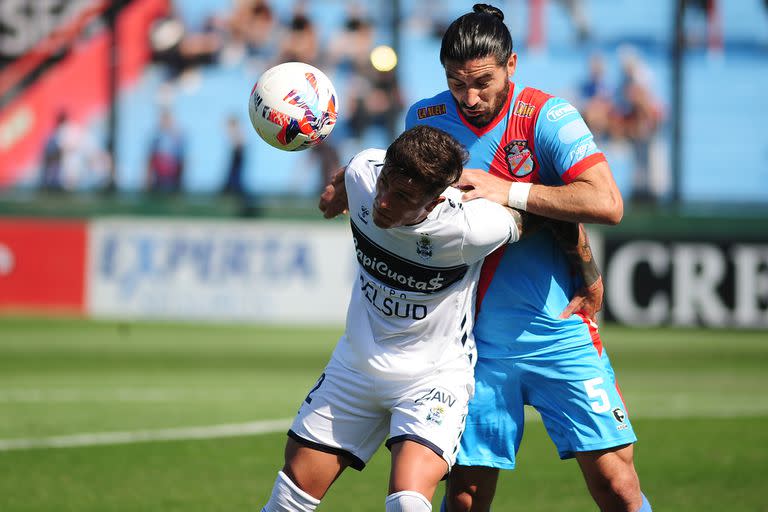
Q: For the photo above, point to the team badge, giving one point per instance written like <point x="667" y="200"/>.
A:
<point x="519" y="158"/>
<point x="424" y="247"/>
<point x="619" y="415"/>
<point x="436" y="414"/>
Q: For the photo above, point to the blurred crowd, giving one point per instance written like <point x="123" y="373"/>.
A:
<point x="250" y="34"/>
<point x="628" y="113"/>
<point x="253" y="35"/>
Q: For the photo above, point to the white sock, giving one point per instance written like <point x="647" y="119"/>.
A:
<point x="408" y="501"/>
<point x="287" y="497"/>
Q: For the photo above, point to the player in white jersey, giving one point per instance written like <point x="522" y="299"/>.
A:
<point x="403" y="370"/>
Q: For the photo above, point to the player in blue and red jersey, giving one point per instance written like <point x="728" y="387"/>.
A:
<point x="534" y="152"/>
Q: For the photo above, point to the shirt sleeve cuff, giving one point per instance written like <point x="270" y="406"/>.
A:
<point x="581" y="166"/>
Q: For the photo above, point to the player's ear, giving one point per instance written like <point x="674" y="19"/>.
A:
<point x="431" y="205"/>
<point x="511" y="64"/>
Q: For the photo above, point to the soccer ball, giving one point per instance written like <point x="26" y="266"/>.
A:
<point x="293" y="106"/>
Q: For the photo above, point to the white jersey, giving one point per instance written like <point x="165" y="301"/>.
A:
<point x="412" y="306"/>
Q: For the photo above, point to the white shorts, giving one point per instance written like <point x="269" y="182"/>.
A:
<point x="350" y="413"/>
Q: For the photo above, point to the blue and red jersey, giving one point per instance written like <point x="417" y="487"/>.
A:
<point x="524" y="287"/>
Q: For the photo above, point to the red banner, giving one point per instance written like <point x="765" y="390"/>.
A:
<point x="76" y="85"/>
<point x="42" y="265"/>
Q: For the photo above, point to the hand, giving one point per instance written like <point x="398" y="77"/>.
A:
<point x="478" y="183"/>
<point x="333" y="200"/>
<point x="587" y="302"/>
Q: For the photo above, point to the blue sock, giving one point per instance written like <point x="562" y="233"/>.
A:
<point x="645" y="507"/>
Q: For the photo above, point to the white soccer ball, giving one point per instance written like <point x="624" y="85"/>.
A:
<point x="293" y="106"/>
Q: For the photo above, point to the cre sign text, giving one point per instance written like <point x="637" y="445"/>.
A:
<point x="710" y="283"/>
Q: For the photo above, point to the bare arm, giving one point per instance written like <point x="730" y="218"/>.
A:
<point x="592" y="197"/>
<point x="574" y="241"/>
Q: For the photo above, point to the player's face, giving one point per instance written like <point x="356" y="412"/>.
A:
<point x="399" y="201"/>
<point x="480" y="87"/>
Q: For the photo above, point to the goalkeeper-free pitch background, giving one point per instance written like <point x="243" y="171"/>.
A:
<point x="698" y="400"/>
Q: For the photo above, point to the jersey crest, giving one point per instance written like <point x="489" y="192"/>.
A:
<point x="520" y="161"/>
<point x="424" y="247"/>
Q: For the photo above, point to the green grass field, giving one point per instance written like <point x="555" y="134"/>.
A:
<point x="698" y="400"/>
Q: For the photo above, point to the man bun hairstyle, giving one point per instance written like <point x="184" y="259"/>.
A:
<point x="428" y="156"/>
<point x="477" y="35"/>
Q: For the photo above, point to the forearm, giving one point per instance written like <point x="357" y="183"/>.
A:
<point x="575" y="202"/>
<point x="574" y="241"/>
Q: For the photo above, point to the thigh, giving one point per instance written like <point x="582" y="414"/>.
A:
<point x="494" y="425"/>
<point x="431" y="412"/>
<point x="579" y="400"/>
<point x="342" y="415"/>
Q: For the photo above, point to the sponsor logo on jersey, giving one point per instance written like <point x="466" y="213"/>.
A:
<point x="581" y="150"/>
<point x="400" y="273"/>
<point x="390" y="303"/>
<point x="523" y="109"/>
<point x="424" y="247"/>
<point x="363" y="214"/>
<point x="619" y="415"/>
<point x="519" y="158"/>
<point x="431" y="110"/>
<point x="442" y="396"/>
<point x="560" y="111"/>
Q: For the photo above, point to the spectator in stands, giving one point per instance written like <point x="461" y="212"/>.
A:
<point x="596" y="99"/>
<point x="349" y="49"/>
<point x="179" y="49"/>
<point x="639" y="117"/>
<point x="53" y="154"/>
<point x="251" y="26"/>
<point x="165" y="164"/>
<point x="236" y="166"/>
<point x="579" y="18"/>
<point x="300" y="43"/>
<point x="72" y="158"/>
<point x="374" y="99"/>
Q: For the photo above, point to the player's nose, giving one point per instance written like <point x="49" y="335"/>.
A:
<point x="471" y="98"/>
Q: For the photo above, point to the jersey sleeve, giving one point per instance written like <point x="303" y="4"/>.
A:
<point x="363" y="170"/>
<point x="563" y="142"/>
<point x="489" y="226"/>
<point x="411" y="117"/>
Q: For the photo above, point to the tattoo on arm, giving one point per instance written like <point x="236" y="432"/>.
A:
<point x="574" y="241"/>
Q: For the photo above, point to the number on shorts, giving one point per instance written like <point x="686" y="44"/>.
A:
<point x="603" y="403"/>
<point x="319" y="381"/>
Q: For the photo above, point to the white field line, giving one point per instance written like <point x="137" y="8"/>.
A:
<point x="138" y="436"/>
<point x="273" y="426"/>
<point x="111" y="395"/>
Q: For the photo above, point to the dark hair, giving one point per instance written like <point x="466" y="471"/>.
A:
<point x="428" y="156"/>
<point x="476" y="35"/>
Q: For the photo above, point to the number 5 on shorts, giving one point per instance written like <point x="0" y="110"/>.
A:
<point x="603" y="403"/>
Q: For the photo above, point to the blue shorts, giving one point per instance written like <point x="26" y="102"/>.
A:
<point x="577" y="397"/>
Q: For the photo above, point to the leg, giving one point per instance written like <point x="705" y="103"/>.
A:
<point x="304" y="480"/>
<point x="471" y="488"/>
<point x="611" y="478"/>
<point x="415" y="468"/>
<point x="311" y="470"/>
<point x="583" y="411"/>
